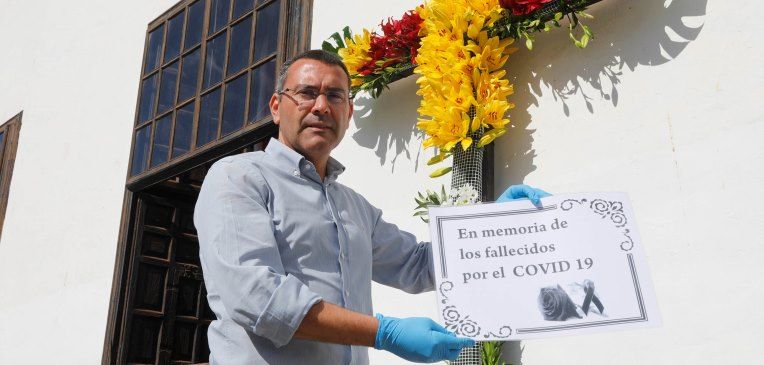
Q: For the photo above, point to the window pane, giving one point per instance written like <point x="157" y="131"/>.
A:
<point x="167" y="87"/>
<point x="267" y="32"/>
<point x="218" y="15"/>
<point x="263" y="83"/>
<point x="155" y="48"/>
<point x="144" y="338"/>
<point x="150" y="289"/>
<point x="233" y="108"/>
<point x="148" y="95"/>
<point x="162" y="129"/>
<point x="213" y="67"/>
<point x="208" y="118"/>
<point x="189" y="76"/>
<point x="238" y="56"/>
<point x="203" y="348"/>
<point x="195" y="23"/>
<point x="240" y="7"/>
<point x="155" y="245"/>
<point x="174" y="33"/>
<point x="188" y="297"/>
<point x="141" y="150"/>
<point x="184" y="124"/>
<point x="183" y="339"/>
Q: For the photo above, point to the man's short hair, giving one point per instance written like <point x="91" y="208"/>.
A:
<point x="314" y="54"/>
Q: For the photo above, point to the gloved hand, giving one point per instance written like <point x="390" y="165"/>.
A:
<point x="418" y="339"/>
<point x="516" y="192"/>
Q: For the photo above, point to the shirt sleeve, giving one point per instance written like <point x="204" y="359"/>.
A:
<point x="240" y="256"/>
<point x="399" y="260"/>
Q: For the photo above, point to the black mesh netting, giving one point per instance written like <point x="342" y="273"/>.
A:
<point x="468" y="169"/>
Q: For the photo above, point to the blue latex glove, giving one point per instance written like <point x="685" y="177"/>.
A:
<point x="418" y="339"/>
<point x="516" y="192"/>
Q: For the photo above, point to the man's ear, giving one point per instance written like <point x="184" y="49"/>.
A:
<point x="274" y="105"/>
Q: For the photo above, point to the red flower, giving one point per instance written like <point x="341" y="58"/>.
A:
<point x="522" y="7"/>
<point x="399" y="42"/>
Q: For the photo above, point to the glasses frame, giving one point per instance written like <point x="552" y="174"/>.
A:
<point x="310" y="103"/>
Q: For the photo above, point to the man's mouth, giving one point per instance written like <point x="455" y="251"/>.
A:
<point x="318" y="126"/>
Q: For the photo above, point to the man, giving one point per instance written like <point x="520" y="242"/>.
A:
<point x="289" y="254"/>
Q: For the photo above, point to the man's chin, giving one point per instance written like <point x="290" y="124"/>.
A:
<point x="317" y="146"/>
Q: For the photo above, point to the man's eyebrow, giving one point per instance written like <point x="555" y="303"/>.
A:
<point x="314" y="87"/>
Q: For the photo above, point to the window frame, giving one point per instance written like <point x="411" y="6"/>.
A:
<point x="10" y="130"/>
<point x="294" y="38"/>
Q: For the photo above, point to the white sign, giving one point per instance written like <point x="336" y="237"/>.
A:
<point x="511" y="271"/>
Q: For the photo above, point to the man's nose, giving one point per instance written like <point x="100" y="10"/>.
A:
<point x="321" y="105"/>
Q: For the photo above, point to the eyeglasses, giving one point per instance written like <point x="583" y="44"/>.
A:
<point x="305" y="97"/>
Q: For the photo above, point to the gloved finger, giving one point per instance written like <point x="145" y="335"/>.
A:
<point x="537" y="195"/>
<point x="513" y="192"/>
<point x="452" y="342"/>
<point x="465" y="342"/>
<point x="440" y="329"/>
<point x="453" y="354"/>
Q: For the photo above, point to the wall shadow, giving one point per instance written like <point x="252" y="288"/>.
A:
<point x="628" y="34"/>
<point x="388" y="123"/>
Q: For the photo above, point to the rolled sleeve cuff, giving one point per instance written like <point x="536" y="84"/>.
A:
<point x="285" y="310"/>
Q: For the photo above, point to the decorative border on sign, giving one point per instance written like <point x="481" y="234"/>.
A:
<point x="641" y="318"/>
<point x="463" y="325"/>
<point x="606" y="209"/>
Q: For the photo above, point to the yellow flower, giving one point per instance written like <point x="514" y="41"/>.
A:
<point x="492" y="86"/>
<point x="492" y="114"/>
<point x="447" y="128"/>
<point x="460" y="67"/>
<point x="490" y="10"/>
<point x="356" y="54"/>
<point x="490" y="51"/>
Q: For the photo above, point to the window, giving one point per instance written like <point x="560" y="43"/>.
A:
<point x="9" y="140"/>
<point x="205" y="81"/>
<point x="209" y="69"/>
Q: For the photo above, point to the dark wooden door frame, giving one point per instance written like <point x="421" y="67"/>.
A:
<point x="11" y="130"/>
<point x="297" y="39"/>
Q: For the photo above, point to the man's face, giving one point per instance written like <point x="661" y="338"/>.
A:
<point x="315" y="128"/>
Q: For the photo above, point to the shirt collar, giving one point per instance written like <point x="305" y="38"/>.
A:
<point x="298" y="164"/>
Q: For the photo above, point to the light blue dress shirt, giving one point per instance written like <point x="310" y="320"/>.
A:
<point x="274" y="239"/>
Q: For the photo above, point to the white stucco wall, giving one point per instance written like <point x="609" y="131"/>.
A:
<point x="73" y="68"/>
<point x="664" y="104"/>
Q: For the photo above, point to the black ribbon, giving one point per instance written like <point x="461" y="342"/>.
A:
<point x="591" y="298"/>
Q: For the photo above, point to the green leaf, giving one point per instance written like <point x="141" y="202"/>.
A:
<point x="437" y="158"/>
<point x="587" y="30"/>
<point x="346" y="32"/>
<point x="584" y="40"/>
<point x="529" y="44"/>
<point x="338" y="39"/>
<point x="558" y="16"/>
<point x="326" y="46"/>
<point x="440" y="172"/>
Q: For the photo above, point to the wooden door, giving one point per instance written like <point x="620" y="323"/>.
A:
<point x="167" y="313"/>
